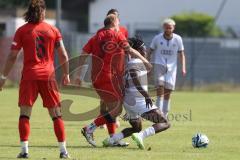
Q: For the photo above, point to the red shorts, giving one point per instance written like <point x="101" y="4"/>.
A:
<point x="48" y="90"/>
<point x="109" y="88"/>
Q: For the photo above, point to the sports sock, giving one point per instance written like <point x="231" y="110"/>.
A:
<point x="24" y="146"/>
<point x="112" y="127"/>
<point x="24" y="128"/>
<point x="99" y="121"/>
<point x="62" y="147"/>
<point x="116" y="137"/>
<point x="59" y="129"/>
<point x="166" y="107"/>
<point x="147" y="132"/>
<point x="159" y="102"/>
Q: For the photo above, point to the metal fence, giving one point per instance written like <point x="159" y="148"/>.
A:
<point x="209" y="61"/>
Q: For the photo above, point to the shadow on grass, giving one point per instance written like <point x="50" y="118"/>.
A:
<point x="73" y="147"/>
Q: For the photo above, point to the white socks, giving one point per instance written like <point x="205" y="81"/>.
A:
<point x="62" y="147"/>
<point x="165" y="107"/>
<point x="147" y="132"/>
<point x="159" y="102"/>
<point x="116" y="137"/>
<point x="24" y="146"/>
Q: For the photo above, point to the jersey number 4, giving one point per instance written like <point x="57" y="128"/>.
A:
<point x="41" y="51"/>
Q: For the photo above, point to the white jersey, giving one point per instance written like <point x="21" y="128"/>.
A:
<point x="134" y="101"/>
<point x="166" y="51"/>
<point x="131" y="92"/>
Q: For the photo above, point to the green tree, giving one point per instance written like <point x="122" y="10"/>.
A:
<point x="196" y="25"/>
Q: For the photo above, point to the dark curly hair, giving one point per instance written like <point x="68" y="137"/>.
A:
<point x="136" y="42"/>
<point x="34" y="14"/>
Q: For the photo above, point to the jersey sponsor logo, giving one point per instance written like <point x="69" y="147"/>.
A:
<point x="167" y="52"/>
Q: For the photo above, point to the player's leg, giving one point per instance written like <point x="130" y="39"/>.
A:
<point x="114" y="109"/>
<point x="51" y="100"/>
<point x="28" y="93"/>
<point x="168" y="88"/>
<point x="160" y="124"/>
<point x="159" y="78"/>
<point x="103" y="110"/>
<point x="136" y="126"/>
<point x="59" y="130"/>
<point x="160" y="95"/>
<point x="166" y="101"/>
<point x="24" y="129"/>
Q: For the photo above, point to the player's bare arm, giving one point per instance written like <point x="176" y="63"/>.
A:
<point x="11" y="59"/>
<point x="183" y="62"/>
<point x="135" y="53"/>
<point x="63" y="58"/>
<point x="138" y="85"/>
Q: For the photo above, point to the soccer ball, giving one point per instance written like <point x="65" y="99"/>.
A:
<point x="200" y="140"/>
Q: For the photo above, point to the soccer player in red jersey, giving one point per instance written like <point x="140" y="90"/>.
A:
<point x="38" y="41"/>
<point x="124" y="31"/>
<point x="108" y="48"/>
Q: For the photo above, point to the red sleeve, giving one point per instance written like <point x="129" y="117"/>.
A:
<point x="58" y="35"/>
<point x="17" y="42"/>
<point x="122" y="41"/>
<point x="88" y="48"/>
<point x="124" y="31"/>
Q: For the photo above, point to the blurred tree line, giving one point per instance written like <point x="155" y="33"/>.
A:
<point x="196" y="25"/>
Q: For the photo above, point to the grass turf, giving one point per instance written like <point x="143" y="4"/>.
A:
<point x="215" y="114"/>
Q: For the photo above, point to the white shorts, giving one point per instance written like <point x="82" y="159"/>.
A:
<point x="164" y="77"/>
<point x="135" y="111"/>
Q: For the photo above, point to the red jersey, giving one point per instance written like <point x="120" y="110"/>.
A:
<point x="124" y="31"/>
<point x="38" y="43"/>
<point x="107" y="48"/>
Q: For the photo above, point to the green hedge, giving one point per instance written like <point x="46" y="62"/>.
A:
<point x="196" y="25"/>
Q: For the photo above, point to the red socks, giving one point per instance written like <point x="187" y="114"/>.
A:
<point x="111" y="128"/>
<point x="100" y="120"/>
<point x="24" y="128"/>
<point x="59" y="129"/>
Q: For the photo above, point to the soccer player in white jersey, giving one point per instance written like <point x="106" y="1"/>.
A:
<point x="137" y="102"/>
<point x="166" y="48"/>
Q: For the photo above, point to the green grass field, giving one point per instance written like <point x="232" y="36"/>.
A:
<point x="215" y="114"/>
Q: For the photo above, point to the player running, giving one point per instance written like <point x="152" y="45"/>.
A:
<point x="137" y="102"/>
<point x="166" y="48"/>
<point x="108" y="57"/>
<point x="38" y="41"/>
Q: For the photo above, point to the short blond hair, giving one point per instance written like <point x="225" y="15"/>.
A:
<point x="109" y="20"/>
<point x="169" y="21"/>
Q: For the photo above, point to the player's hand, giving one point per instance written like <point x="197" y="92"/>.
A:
<point x="149" y="102"/>
<point x="66" y="79"/>
<point x="184" y="72"/>
<point x="78" y="81"/>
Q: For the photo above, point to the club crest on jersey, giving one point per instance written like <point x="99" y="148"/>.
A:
<point x="161" y="43"/>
